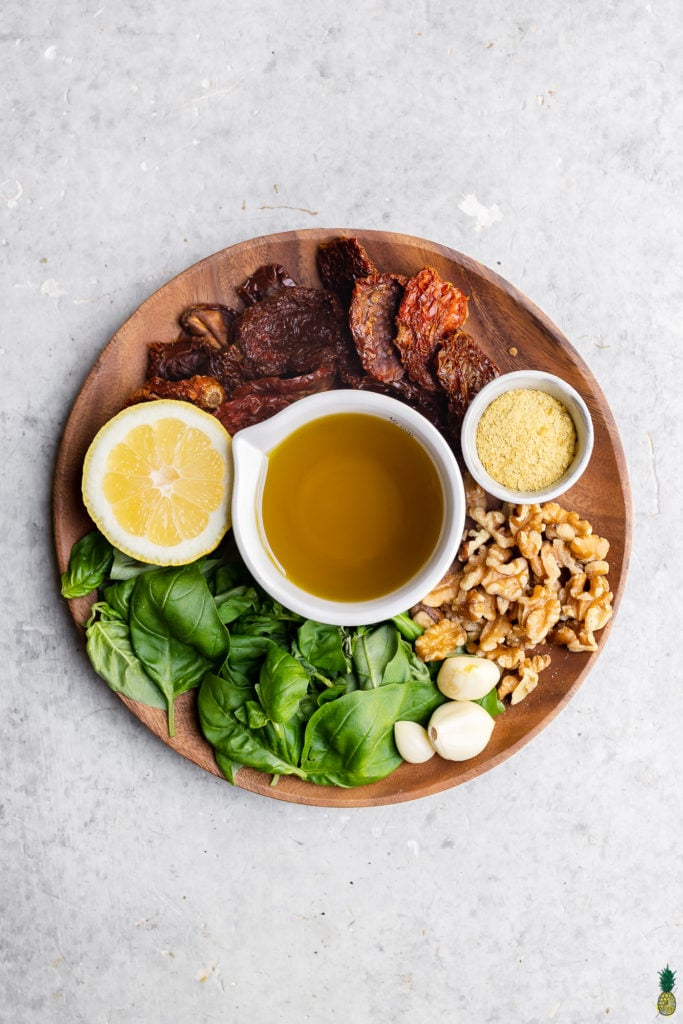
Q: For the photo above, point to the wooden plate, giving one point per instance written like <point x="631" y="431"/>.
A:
<point x="508" y="327"/>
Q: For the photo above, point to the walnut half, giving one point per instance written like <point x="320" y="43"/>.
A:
<point x="440" y="640"/>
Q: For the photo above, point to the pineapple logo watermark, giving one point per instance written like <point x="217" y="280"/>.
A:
<point x="666" y="1003"/>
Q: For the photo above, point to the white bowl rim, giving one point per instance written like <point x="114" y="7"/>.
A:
<point x="543" y="381"/>
<point x="260" y="563"/>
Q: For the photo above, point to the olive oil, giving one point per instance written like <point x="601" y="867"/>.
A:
<point x="352" y="507"/>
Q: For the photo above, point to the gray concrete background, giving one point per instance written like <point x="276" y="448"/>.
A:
<point x="543" y="140"/>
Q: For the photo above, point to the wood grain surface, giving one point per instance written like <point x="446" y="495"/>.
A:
<point x="508" y="327"/>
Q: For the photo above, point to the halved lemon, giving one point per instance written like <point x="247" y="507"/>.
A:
<point x="157" y="481"/>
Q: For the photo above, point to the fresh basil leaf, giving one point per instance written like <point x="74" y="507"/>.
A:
<point x="274" y="610"/>
<point x="175" y="630"/>
<point x="321" y="645"/>
<point x="255" y="717"/>
<point x="247" y="652"/>
<point x="181" y="598"/>
<point x="419" y="669"/>
<point x="276" y="628"/>
<point x="405" y="665"/>
<point x="232" y="604"/>
<point x="124" y="566"/>
<point x="229" y="575"/>
<point x="286" y="739"/>
<point x="102" y="610"/>
<point x="118" y="595"/>
<point x="315" y="676"/>
<point x="308" y="705"/>
<point x="400" y="668"/>
<point x="282" y="685"/>
<point x="209" y="565"/>
<point x="226" y="577"/>
<point x="373" y="652"/>
<point x="333" y="692"/>
<point x="233" y="741"/>
<point x="111" y="654"/>
<point x="491" y="703"/>
<point x="89" y="565"/>
<point x="350" y="741"/>
<point x="228" y="767"/>
<point x="235" y="687"/>
<point x="408" y="629"/>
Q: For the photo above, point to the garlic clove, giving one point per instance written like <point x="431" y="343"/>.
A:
<point x="413" y="742"/>
<point x="467" y="677"/>
<point x="460" y="730"/>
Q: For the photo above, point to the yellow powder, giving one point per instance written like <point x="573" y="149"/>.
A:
<point x="526" y="439"/>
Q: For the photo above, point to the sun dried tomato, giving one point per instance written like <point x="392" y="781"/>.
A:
<point x="372" y="318"/>
<point x="264" y="282"/>
<point x="204" y="392"/>
<point x="432" y="404"/>
<point x="349" y="367"/>
<point x="341" y="263"/>
<point x="463" y="369"/>
<point x="292" y="332"/>
<point x="430" y="309"/>
<point x="227" y="366"/>
<point x="177" y="360"/>
<point x="399" y="337"/>
<point x="257" y="400"/>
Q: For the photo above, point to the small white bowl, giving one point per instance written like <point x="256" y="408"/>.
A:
<point x="540" y="381"/>
<point x="250" y="449"/>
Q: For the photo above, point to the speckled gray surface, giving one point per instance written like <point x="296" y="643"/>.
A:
<point x="543" y="140"/>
